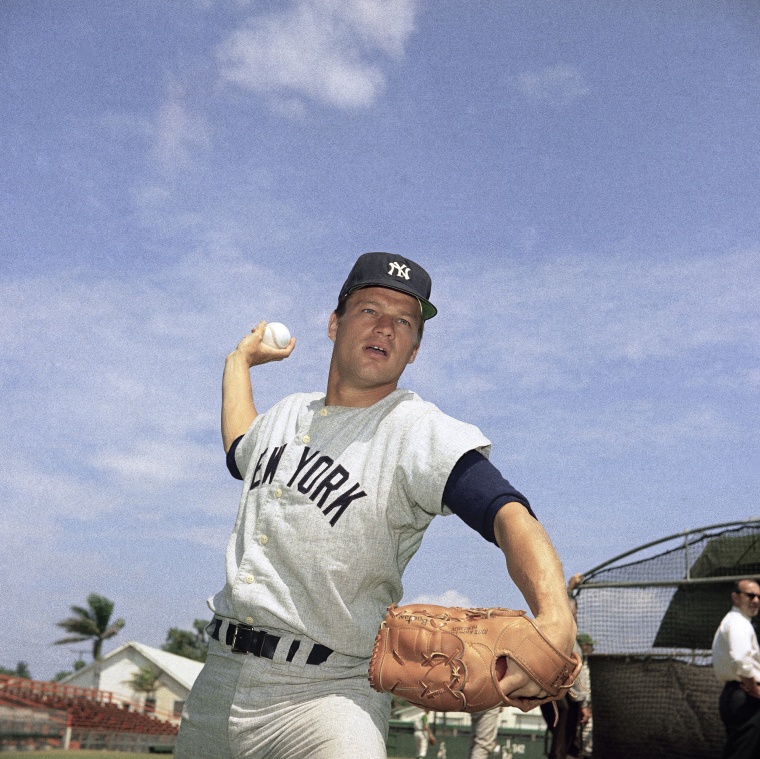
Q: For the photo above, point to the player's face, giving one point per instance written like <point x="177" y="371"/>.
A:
<point x="748" y="600"/>
<point x="376" y="338"/>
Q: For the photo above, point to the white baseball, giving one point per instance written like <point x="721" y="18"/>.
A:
<point x="276" y="335"/>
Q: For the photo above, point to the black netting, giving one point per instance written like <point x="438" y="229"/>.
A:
<point x="655" y="708"/>
<point x="652" y="615"/>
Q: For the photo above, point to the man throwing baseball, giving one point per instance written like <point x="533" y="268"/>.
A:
<point x="338" y="489"/>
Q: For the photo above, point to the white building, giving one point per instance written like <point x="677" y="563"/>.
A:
<point x="116" y="669"/>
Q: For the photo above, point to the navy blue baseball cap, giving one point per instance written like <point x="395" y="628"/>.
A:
<point x="394" y="272"/>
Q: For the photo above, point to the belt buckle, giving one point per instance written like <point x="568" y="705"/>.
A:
<point x="241" y="640"/>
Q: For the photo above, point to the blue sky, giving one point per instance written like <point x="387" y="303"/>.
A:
<point x="580" y="179"/>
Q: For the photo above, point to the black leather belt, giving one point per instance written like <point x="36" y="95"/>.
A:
<point x="245" y="640"/>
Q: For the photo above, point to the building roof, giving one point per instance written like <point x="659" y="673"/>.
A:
<point x="180" y="668"/>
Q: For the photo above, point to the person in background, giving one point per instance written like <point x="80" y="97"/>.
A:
<point x="483" y="732"/>
<point x="564" y="725"/>
<point x="736" y="663"/>
<point x="423" y="735"/>
<point x="583" y="691"/>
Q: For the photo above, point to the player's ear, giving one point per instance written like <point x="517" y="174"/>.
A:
<point x="414" y="354"/>
<point x="332" y="326"/>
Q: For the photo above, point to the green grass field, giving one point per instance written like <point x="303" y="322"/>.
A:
<point x="95" y="755"/>
<point x="91" y="754"/>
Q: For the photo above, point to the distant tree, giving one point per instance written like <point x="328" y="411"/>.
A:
<point x="193" y="645"/>
<point x="146" y="680"/>
<point x="91" y="624"/>
<point x="22" y="670"/>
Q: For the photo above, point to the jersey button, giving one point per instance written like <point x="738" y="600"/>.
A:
<point x="249" y="620"/>
<point x="278" y="493"/>
<point x="264" y="540"/>
<point x="249" y="579"/>
<point x="306" y="439"/>
<point x="323" y="412"/>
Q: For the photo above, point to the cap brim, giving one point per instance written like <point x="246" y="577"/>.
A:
<point x="428" y="309"/>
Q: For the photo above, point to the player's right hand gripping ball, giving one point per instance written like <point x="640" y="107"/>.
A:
<point x="450" y="659"/>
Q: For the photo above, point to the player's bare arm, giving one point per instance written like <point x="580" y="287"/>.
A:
<point x="535" y="568"/>
<point x="238" y="408"/>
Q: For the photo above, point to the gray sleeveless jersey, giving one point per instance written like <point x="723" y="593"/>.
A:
<point x="335" y="503"/>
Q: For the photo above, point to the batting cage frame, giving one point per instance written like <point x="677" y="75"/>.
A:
<point x="652" y="613"/>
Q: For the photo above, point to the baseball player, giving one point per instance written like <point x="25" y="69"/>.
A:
<point x="338" y="489"/>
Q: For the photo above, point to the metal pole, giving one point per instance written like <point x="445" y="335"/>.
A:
<point x="686" y="555"/>
<point x="67" y="733"/>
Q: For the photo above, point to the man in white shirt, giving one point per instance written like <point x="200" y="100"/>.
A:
<point x="736" y="662"/>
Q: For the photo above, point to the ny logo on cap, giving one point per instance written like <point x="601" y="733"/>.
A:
<point x="401" y="270"/>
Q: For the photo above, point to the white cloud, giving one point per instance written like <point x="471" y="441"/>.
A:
<point x="554" y="84"/>
<point x="61" y="494"/>
<point x="561" y="324"/>
<point x="447" y="598"/>
<point x="215" y="538"/>
<point x="385" y="24"/>
<point x="325" y="50"/>
<point x="609" y="352"/>
<point x="151" y="463"/>
<point x="179" y="132"/>
<point x="641" y="424"/>
<point x="109" y="386"/>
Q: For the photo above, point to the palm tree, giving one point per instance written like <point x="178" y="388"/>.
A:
<point x="146" y="680"/>
<point x="93" y="623"/>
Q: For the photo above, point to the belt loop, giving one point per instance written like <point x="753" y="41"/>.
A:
<point x="294" y="646"/>
<point x="256" y="642"/>
<point x="213" y="627"/>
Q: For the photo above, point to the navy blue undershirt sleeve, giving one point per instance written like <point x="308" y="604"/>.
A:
<point x="475" y="491"/>
<point x="231" y="463"/>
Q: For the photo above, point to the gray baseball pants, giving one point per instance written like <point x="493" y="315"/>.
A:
<point x="248" y="707"/>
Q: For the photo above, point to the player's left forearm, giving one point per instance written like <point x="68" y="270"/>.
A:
<point x="535" y="568"/>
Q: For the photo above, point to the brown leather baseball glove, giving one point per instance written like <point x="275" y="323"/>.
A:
<point x="451" y="659"/>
